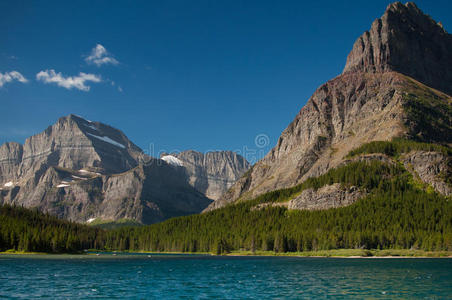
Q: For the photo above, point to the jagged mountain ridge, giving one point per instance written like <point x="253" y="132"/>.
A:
<point x="379" y="96"/>
<point x="212" y="173"/>
<point x="85" y="171"/>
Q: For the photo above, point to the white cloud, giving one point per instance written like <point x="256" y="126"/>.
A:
<point x="78" y="82"/>
<point x="100" y="56"/>
<point x="120" y="89"/>
<point x="10" y="77"/>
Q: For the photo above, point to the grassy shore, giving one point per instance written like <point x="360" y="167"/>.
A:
<point x="351" y="253"/>
<point x="94" y="252"/>
<point x="15" y="252"/>
<point x="345" y="253"/>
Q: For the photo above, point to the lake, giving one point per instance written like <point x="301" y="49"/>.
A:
<point x="212" y="277"/>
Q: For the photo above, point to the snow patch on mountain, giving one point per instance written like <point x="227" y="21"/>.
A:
<point x="86" y="172"/>
<point x="107" y="140"/>
<point x="172" y="160"/>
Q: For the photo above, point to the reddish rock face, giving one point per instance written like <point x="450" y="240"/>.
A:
<point x="405" y="40"/>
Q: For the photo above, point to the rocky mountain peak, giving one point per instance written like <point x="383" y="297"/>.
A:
<point x="407" y="41"/>
<point x="74" y="142"/>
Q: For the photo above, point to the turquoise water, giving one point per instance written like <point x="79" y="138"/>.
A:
<point x="209" y="277"/>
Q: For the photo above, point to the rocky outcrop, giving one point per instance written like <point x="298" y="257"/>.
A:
<point x="329" y="196"/>
<point x="373" y="99"/>
<point x="433" y="168"/>
<point x="212" y="173"/>
<point x="407" y="41"/>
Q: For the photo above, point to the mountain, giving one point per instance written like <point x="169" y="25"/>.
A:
<point x="212" y="173"/>
<point x="396" y="83"/>
<point x="87" y="171"/>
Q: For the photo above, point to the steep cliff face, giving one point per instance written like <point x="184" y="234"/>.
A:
<point x="407" y="41"/>
<point x="10" y="159"/>
<point x="212" y="173"/>
<point x="379" y="96"/>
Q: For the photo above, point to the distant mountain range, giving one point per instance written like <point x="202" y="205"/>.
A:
<point x="90" y="172"/>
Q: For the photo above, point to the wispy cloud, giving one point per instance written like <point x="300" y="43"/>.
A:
<point x="100" y="56"/>
<point x="78" y="82"/>
<point x="119" y="87"/>
<point x="10" y="77"/>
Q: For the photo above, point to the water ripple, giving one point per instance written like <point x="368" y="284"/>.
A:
<point x="204" y="277"/>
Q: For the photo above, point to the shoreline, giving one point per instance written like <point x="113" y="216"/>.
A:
<point x="338" y="253"/>
<point x="351" y="253"/>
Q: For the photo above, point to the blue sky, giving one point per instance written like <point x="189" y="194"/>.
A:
<point x="203" y="75"/>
